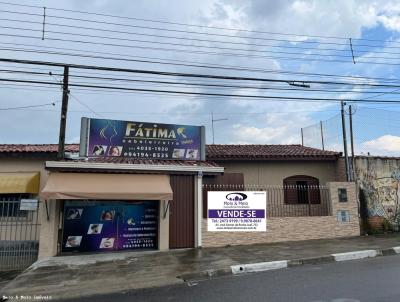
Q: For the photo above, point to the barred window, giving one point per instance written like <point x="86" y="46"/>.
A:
<point x="301" y="189"/>
<point x="10" y="203"/>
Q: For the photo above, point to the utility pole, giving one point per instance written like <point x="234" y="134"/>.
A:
<point x="302" y="137"/>
<point x="212" y="124"/>
<point x="63" y="118"/>
<point x="346" y="156"/>
<point x="351" y="143"/>
<point x="322" y="135"/>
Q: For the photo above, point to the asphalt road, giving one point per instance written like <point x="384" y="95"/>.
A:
<point x="370" y="280"/>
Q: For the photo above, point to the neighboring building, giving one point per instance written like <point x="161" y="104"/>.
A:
<point x="278" y="164"/>
<point x="302" y="203"/>
<point x="379" y="181"/>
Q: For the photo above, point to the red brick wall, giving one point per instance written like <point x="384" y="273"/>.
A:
<point x="340" y="170"/>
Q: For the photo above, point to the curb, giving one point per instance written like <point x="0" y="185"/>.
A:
<point x="241" y="269"/>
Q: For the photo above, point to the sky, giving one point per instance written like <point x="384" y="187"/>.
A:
<point x="251" y="42"/>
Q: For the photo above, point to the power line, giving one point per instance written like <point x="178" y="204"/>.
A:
<point x="200" y="65"/>
<point x="209" y="85"/>
<point x="177" y="37"/>
<point x="29" y="106"/>
<point x="174" y="44"/>
<point x="195" y="25"/>
<point x="206" y="52"/>
<point x="281" y="98"/>
<point x="74" y="97"/>
<point x="185" y="38"/>
<point x="182" y="31"/>
<point x="191" y="75"/>
<point x="214" y="66"/>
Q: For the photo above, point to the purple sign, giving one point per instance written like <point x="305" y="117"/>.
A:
<point x="109" y="226"/>
<point x="113" y="138"/>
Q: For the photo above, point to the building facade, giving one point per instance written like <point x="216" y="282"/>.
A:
<point x="117" y="203"/>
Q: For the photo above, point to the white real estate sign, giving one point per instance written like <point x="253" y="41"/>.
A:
<point x="237" y="211"/>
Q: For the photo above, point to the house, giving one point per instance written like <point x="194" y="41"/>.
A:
<point x="80" y="200"/>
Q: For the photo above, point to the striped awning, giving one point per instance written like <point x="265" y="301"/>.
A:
<point x="19" y="182"/>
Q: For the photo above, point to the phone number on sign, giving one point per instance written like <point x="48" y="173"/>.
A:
<point x="236" y="220"/>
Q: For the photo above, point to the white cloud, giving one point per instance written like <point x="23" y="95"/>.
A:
<point x="271" y="129"/>
<point x="383" y="145"/>
<point x="337" y="18"/>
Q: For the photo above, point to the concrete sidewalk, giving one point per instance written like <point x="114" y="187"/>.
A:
<point x="85" y="275"/>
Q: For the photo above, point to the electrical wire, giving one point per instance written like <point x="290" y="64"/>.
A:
<point x="192" y="75"/>
<point x="192" y="25"/>
<point x="182" y="31"/>
<point x="29" y="106"/>
<point x="281" y="98"/>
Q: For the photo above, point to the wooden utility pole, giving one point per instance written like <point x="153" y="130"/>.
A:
<point x="351" y="143"/>
<point x="322" y="135"/>
<point x="346" y="156"/>
<point x="63" y="118"/>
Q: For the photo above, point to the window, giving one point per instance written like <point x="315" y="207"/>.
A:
<point x="301" y="189"/>
<point x="9" y="205"/>
<point x="342" y="195"/>
<point x="343" y="216"/>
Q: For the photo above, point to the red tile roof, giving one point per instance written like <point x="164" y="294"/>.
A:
<point x="268" y="152"/>
<point x="36" y="148"/>
<point x="214" y="152"/>
<point x="134" y="161"/>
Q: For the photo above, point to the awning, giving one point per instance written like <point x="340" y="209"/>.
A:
<point x="107" y="186"/>
<point x="21" y="182"/>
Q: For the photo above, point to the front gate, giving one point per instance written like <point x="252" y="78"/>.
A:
<point x="19" y="232"/>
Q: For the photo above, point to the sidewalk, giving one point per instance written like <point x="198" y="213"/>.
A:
<point x="85" y="275"/>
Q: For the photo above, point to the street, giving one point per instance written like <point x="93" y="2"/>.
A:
<point x="368" y="280"/>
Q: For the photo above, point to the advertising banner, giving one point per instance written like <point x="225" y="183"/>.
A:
<point x="237" y="211"/>
<point x="110" y="226"/>
<point x="112" y="138"/>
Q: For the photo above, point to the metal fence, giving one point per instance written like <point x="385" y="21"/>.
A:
<point x="19" y="233"/>
<point x="284" y="201"/>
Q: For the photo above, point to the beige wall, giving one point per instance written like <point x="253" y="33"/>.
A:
<point x="281" y="229"/>
<point x="19" y="231"/>
<point x="48" y="230"/>
<point x="10" y="164"/>
<point x="273" y="172"/>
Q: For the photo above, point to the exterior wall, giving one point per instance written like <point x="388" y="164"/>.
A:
<point x="48" y="230"/>
<point x="281" y="229"/>
<point x="163" y="226"/>
<point x="340" y="170"/>
<point x="273" y="172"/>
<point x="16" y="164"/>
<point x="379" y="182"/>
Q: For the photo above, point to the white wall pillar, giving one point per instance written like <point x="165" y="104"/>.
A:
<point x="163" y="226"/>
<point x="198" y="209"/>
<point x="48" y="238"/>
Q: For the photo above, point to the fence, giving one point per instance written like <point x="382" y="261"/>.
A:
<point x="19" y="233"/>
<point x="375" y="132"/>
<point x="283" y="201"/>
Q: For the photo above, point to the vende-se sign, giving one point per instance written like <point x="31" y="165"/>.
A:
<point x="113" y="138"/>
<point x="237" y="211"/>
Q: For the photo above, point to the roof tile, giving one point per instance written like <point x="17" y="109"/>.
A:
<point x="221" y="152"/>
<point x="214" y="152"/>
<point x="36" y="148"/>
